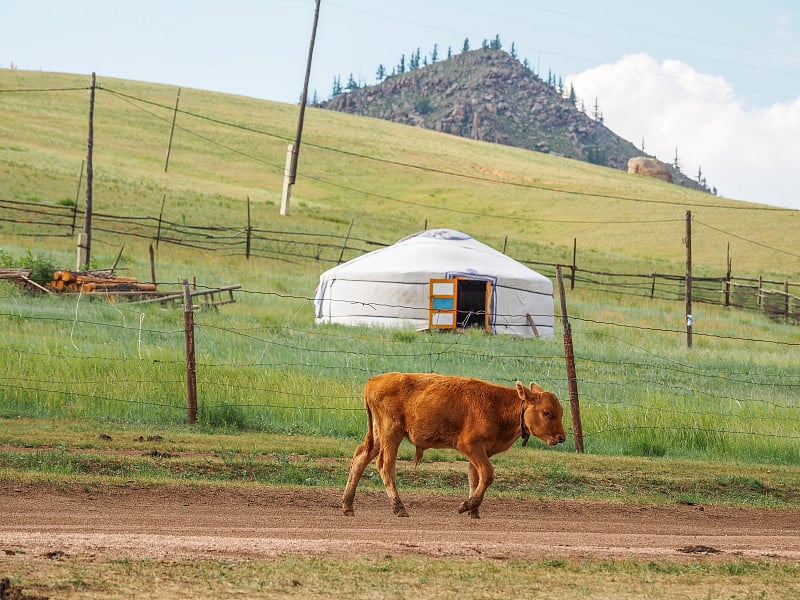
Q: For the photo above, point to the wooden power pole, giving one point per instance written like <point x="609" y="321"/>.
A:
<point x="290" y="173"/>
<point x="85" y="238"/>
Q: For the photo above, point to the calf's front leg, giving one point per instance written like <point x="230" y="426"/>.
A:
<point x="481" y="476"/>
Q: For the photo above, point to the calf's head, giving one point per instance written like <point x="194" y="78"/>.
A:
<point x="541" y="414"/>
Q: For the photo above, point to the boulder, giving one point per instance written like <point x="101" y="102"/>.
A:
<point x="651" y="167"/>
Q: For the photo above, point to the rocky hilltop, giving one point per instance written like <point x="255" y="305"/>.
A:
<point x="488" y="95"/>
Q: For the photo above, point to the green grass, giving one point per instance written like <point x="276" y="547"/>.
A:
<point x="641" y="395"/>
<point x="62" y="451"/>
<point x="262" y="363"/>
<point x="426" y="578"/>
<point x="714" y="425"/>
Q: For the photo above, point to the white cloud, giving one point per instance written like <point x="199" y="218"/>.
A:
<point x="748" y="154"/>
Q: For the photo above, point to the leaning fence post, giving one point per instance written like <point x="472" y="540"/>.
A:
<point x="572" y="378"/>
<point x="573" y="267"/>
<point x="346" y="239"/>
<point x="191" y="370"/>
<point x="160" y="218"/>
<point x="77" y="198"/>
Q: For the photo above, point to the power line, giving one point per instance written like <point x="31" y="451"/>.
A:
<point x="744" y="239"/>
<point x="453" y="173"/>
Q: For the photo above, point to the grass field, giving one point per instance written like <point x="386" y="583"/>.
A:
<point x="700" y="423"/>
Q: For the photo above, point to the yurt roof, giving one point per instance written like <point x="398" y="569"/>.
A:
<point x="434" y="251"/>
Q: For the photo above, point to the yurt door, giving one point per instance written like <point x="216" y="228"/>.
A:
<point x="460" y="302"/>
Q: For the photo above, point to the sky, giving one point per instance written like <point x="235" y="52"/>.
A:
<point x="714" y="82"/>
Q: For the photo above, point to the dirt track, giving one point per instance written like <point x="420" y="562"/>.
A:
<point x="180" y="522"/>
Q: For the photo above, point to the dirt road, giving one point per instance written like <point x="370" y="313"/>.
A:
<point x="186" y="522"/>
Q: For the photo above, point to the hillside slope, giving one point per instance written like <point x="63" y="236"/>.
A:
<point x="358" y="177"/>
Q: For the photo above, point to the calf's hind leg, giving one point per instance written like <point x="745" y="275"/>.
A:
<point x="363" y="455"/>
<point x="387" y="460"/>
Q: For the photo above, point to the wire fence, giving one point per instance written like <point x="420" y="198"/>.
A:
<point x="779" y="299"/>
<point x="104" y="361"/>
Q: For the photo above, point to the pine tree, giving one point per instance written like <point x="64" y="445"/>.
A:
<point x="435" y="53"/>
<point x="676" y="163"/>
<point x="352" y="84"/>
<point x="414" y="62"/>
<point x="495" y="43"/>
<point x="380" y="74"/>
<point x="513" y="51"/>
<point x="449" y="52"/>
<point x="337" y="87"/>
<point x="466" y="45"/>
<point x="401" y="68"/>
<point x="700" y="177"/>
<point x="572" y="96"/>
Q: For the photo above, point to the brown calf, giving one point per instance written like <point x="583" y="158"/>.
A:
<point x="477" y="418"/>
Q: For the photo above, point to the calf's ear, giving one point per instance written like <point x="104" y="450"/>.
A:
<point x="536" y="388"/>
<point x="521" y="390"/>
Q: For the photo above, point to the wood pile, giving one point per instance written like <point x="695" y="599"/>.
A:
<point x="22" y="278"/>
<point x="89" y="282"/>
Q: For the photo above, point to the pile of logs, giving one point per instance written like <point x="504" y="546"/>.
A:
<point x="89" y="282"/>
<point x="22" y="278"/>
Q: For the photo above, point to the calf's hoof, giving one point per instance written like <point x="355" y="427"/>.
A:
<point x="399" y="509"/>
<point x="470" y="505"/>
<point x="348" y="512"/>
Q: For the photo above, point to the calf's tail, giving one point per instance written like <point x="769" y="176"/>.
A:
<point x="369" y="440"/>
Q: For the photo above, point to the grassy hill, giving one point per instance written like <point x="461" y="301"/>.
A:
<point x="388" y="180"/>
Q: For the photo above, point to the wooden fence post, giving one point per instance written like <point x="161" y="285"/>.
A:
<point x="172" y="131"/>
<point x="786" y="299"/>
<point x="572" y="378"/>
<point x="191" y="368"/>
<point x="689" y="316"/>
<point x="249" y="232"/>
<point x="760" y="291"/>
<point x="346" y="239"/>
<point x="160" y="216"/>
<point x="77" y="199"/>
<point x="574" y="266"/>
<point x="728" y="278"/>
<point x="152" y="265"/>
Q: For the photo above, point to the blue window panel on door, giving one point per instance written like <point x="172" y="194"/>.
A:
<point x="442" y="303"/>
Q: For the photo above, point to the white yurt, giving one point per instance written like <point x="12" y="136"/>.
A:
<point x="437" y="279"/>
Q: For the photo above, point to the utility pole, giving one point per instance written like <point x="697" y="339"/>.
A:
<point x="294" y="149"/>
<point x="85" y="238"/>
